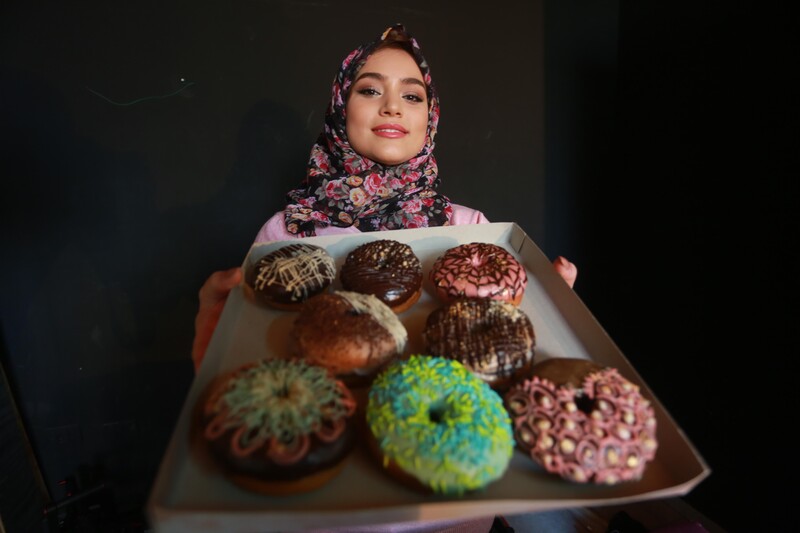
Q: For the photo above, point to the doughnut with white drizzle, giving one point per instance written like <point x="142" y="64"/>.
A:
<point x="288" y="276"/>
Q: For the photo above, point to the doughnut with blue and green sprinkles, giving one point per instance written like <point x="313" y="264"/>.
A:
<point x="440" y="425"/>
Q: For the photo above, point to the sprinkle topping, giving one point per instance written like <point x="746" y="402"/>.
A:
<point x="440" y="423"/>
<point x="385" y="268"/>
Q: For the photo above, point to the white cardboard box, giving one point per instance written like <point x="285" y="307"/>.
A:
<point x="190" y="495"/>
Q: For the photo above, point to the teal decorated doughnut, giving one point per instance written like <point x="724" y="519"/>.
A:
<point x="436" y="423"/>
<point x="278" y="426"/>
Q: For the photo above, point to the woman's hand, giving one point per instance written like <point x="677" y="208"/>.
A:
<point x="213" y="295"/>
<point x="566" y="270"/>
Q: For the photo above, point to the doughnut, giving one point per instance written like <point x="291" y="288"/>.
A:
<point x="285" y="278"/>
<point x="436" y="427"/>
<point x="387" y="269"/>
<point x="278" y="426"/>
<point x="583" y="421"/>
<point x="478" y="270"/>
<point x="351" y="334"/>
<point x="494" y="339"/>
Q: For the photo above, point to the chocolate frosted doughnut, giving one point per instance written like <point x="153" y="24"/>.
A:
<point x="494" y="339"/>
<point x="479" y="270"/>
<point x="351" y="334"/>
<point x="387" y="269"/>
<point x="584" y="422"/>
<point x="288" y="276"/>
<point x="277" y="426"/>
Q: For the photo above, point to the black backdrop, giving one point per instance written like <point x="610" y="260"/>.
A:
<point x="143" y="145"/>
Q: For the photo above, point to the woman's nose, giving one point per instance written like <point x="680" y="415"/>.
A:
<point x="391" y="106"/>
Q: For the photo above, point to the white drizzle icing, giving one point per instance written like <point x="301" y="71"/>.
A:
<point x="505" y="309"/>
<point x="367" y="303"/>
<point x="298" y="272"/>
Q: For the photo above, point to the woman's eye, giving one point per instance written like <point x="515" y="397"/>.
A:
<point x="414" y="98"/>
<point x="368" y="91"/>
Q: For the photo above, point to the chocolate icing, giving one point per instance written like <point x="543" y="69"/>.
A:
<point x="292" y="274"/>
<point x="347" y="332"/>
<point x="385" y="268"/>
<point x="494" y="339"/>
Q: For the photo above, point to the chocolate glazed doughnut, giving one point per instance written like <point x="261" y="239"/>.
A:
<point x="387" y="269"/>
<point x="288" y="276"/>
<point x="351" y="334"/>
<point x="494" y="339"/>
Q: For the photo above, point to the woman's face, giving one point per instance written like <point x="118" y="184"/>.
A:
<point x="387" y="112"/>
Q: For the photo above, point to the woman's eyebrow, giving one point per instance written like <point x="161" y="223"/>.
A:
<point x="380" y="77"/>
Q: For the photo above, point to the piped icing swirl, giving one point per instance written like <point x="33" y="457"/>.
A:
<point x="440" y="424"/>
<point x="603" y="432"/>
<point x="277" y="409"/>
<point x="479" y="270"/>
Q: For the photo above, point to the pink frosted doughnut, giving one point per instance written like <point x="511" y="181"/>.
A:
<point x="584" y="422"/>
<point x="479" y="270"/>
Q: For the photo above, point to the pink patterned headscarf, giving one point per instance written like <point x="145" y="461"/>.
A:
<point x="342" y="188"/>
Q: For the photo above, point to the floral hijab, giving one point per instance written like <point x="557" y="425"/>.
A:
<point x="344" y="189"/>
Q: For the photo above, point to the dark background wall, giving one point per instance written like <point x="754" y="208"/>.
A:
<point x="142" y="146"/>
<point x="684" y="213"/>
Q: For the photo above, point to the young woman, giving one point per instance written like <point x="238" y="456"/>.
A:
<point x="371" y="169"/>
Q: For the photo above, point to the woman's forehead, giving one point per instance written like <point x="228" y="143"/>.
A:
<point x="391" y="62"/>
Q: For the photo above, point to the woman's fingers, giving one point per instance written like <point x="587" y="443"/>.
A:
<point x="566" y="270"/>
<point x="212" y="297"/>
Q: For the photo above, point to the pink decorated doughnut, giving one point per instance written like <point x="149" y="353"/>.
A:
<point x="584" y="422"/>
<point x="479" y="270"/>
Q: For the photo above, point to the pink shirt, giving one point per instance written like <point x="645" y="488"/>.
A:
<point x="275" y="228"/>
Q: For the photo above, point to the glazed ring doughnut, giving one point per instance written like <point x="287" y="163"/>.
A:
<point x="288" y="276"/>
<point x="438" y="428"/>
<point x="351" y="334"/>
<point x="278" y="426"/>
<point x="494" y="339"/>
<point x="479" y="270"/>
<point x="584" y="422"/>
<point x="387" y="269"/>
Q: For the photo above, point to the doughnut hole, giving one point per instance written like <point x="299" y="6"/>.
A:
<point x="437" y="412"/>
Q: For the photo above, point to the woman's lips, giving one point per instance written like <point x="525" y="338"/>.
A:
<point x="390" y="131"/>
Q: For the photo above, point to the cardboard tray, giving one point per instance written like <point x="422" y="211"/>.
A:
<point x="190" y="494"/>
